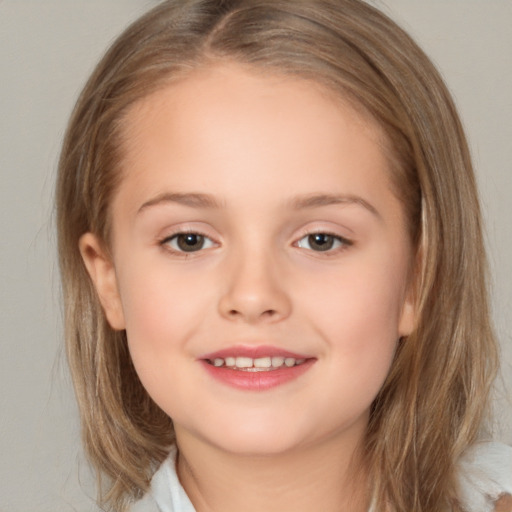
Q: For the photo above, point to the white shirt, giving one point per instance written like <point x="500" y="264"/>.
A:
<point x="485" y="474"/>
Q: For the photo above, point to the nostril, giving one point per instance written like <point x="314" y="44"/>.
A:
<point x="269" y="313"/>
<point x="252" y="307"/>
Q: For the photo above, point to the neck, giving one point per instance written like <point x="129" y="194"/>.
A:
<point x="324" y="477"/>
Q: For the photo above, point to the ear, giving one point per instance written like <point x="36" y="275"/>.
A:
<point x="102" y="272"/>
<point x="408" y="317"/>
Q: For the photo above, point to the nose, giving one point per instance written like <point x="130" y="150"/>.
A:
<point x="254" y="291"/>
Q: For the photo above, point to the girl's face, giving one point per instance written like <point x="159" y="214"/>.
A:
<point x="260" y="260"/>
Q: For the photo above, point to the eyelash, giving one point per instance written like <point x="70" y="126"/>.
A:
<point x="342" y="242"/>
<point x="167" y="241"/>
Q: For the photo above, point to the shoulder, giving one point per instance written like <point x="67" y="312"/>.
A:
<point x="485" y="474"/>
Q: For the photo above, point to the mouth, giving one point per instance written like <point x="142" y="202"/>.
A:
<point x="256" y="368"/>
<point x="260" y="364"/>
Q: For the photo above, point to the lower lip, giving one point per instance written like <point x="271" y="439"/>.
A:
<point x="257" y="380"/>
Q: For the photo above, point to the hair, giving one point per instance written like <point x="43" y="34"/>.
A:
<point x="434" y="401"/>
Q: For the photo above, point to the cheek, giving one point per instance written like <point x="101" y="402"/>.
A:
<point x="161" y="312"/>
<point x="357" y="299"/>
<point x="357" y="312"/>
<point x="158" y="297"/>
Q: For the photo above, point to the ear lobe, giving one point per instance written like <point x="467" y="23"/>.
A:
<point x="407" y="322"/>
<point x="103" y="275"/>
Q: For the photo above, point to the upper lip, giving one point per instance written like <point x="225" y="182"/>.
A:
<point x="253" y="352"/>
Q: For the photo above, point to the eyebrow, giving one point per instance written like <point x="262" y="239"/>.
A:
<point x="200" y="200"/>
<point x="192" y="199"/>
<point x="319" y="200"/>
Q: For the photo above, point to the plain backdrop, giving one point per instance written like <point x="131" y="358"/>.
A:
<point x="47" y="50"/>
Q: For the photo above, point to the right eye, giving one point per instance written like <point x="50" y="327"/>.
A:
<point x="188" y="242"/>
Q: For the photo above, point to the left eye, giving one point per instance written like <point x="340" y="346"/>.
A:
<point x="321" y="242"/>
<point x="188" y="242"/>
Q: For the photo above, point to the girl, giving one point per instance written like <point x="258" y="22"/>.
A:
<point x="273" y="272"/>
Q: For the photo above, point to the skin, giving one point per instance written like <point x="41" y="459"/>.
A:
<point x="260" y="147"/>
<point x="504" y="504"/>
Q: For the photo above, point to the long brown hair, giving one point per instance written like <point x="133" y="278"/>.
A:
<point x="433" y="403"/>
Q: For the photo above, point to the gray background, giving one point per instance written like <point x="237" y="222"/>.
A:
<point x="47" y="50"/>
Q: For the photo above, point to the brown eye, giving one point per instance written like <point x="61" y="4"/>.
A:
<point x="188" y="242"/>
<point x="322" y="242"/>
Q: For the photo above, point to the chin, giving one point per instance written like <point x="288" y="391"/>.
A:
<point x="258" y="446"/>
<point x="254" y="439"/>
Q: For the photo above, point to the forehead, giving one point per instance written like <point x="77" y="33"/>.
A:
<point x="227" y="123"/>
<point x="220" y="91"/>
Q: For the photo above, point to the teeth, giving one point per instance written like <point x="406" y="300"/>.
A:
<point x="263" y="363"/>
<point x="244" y="362"/>
<point x="277" y="361"/>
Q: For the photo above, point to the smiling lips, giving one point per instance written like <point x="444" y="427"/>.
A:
<point x="249" y="364"/>
<point x="255" y="368"/>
